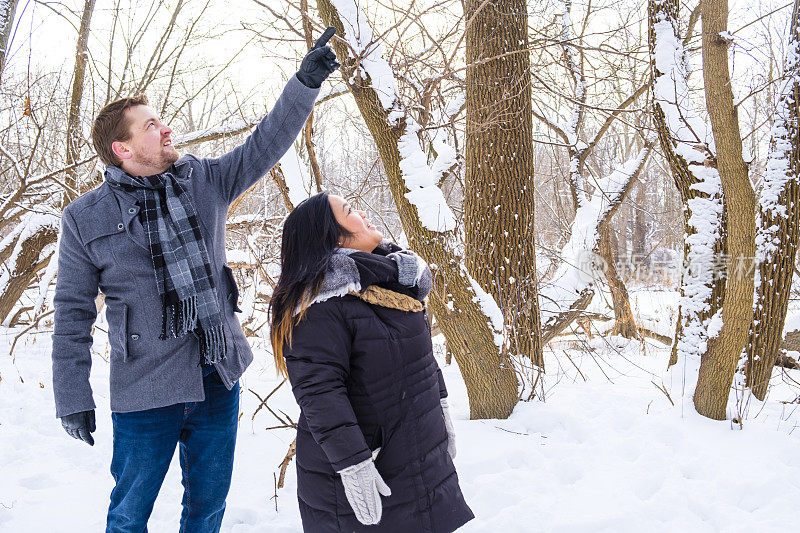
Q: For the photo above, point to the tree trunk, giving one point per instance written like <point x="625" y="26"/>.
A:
<point x="624" y="323"/>
<point x="719" y="364"/>
<point x="488" y="373"/>
<point x="778" y="228"/>
<point x="7" y="11"/>
<point x="684" y="142"/>
<point x="499" y="187"/>
<point x="639" y="234"/>
<point x="570" y="279"/>
<point x="74" y="136"/>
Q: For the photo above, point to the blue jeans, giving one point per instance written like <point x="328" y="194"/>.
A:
<point x="144" y="443"/>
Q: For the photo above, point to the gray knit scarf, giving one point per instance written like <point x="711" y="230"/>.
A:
<point x="341" y="275"/>
<point x="180" y="260"/>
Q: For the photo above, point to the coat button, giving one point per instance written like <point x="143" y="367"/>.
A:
<point x="132" y="210"/>
<point x="120" y="226"/>
<point x="135" y="337"/>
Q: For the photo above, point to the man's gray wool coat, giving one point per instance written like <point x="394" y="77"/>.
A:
<point x="103" y="245"/>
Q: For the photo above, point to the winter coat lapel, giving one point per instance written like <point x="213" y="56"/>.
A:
<point x="130" y="217"/>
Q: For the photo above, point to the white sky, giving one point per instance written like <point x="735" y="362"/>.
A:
<point x="48" y="40"/>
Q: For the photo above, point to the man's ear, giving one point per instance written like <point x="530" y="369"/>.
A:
<point x="121" y="150"/>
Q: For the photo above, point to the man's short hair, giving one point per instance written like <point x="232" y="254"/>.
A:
<point x="111" y="126"/>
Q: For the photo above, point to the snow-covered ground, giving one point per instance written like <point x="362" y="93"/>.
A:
<point x="605" y="451"/>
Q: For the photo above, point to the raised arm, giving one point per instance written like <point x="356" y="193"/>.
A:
<point x="234" y="172"/>
<point x="237" y="170"/>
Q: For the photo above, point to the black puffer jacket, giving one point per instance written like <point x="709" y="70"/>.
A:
<point x="363" y="372"/>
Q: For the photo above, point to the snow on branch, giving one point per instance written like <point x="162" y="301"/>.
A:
<point x="29" y="226"/>
<point x="218" y="132"/>
<point x="369" y="53"/>
<point x="577" y="271"/>
<point x="420" y="179"/>
<point x="296" y="176"/>
<point x="693" y="145"/>
<point x="778" y="172"/>
<point x="779" y="168"/>
<point x="671" y="93"/>
<point x="489" y="307"/>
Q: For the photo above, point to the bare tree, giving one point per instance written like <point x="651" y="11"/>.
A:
<point x="688" y="147"/>
<point x="74" y="137"/>
<point x="37" y="168"/>
<point x="569" y="290"/>
<point x="35" y="233"/>
<point x="7" y="10"/>
<point x="778" y="221"/>
<point x="719" y="364"/>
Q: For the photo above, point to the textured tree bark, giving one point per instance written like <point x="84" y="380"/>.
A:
<point x="624" y="323"/>
<point x="791" y="342"/>
<point x="74" y="116"/>
<point x="779" y="229"/>
<point x="7" y="11"/>
<point x="488" y="373"/>
<point x="499" y="189"/>
<point x="686" y="180"/>
<point x="719" y="364"/>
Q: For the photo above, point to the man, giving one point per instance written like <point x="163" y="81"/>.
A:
<point x="152" y="239"/>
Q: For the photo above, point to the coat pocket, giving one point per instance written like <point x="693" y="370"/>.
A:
<point x="233" y="289"/>
<point x="117" y="318"/>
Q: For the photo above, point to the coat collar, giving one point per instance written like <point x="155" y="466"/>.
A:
<point x="388" y="298"/>
<point x="342" y="278"/>
<point x="128" y="203"/>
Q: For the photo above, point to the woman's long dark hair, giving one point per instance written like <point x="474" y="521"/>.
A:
<point x="311" y="233"/>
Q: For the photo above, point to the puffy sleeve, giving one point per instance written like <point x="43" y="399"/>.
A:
<point x="318" y="362"/>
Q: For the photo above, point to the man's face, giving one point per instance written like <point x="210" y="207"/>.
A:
<point x="149" y="150"/>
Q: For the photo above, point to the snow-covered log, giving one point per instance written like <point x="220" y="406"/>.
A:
<point x="26" y="252"/>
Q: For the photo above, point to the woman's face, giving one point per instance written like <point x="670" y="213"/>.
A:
<point x="365" y="236"/>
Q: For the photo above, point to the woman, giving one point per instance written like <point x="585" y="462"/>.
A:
<point x="374" y="438"/>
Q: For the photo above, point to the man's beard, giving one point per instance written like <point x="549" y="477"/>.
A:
<point x="163" y="161"/>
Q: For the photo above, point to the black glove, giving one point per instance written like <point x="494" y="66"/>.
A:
<point x="319" y="62"/>
<point x="80" y="426"/>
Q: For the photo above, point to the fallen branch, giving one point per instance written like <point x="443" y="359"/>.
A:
<point x="285" y="463"/>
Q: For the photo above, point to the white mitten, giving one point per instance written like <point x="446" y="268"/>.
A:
<point x="363" y="486"/>
<point x="451" y="432"/>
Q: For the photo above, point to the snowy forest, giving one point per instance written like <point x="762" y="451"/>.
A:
<point x="606" y="193"/>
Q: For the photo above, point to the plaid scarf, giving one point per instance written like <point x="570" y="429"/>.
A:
<point x="180" y="260"/>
